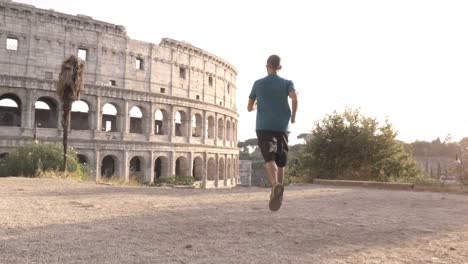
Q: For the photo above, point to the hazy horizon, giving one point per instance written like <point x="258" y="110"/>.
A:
<point x="406" y="61"/>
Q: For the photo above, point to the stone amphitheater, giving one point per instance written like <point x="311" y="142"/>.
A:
<point x="148" y="111"/>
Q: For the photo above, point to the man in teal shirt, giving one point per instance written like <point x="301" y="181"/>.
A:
<point x="273" y="114"/>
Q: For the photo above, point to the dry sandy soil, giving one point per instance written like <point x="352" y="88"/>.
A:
<point x="64" y="221"/>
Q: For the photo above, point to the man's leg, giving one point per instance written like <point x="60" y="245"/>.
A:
<point x="280" y="174"/>
<point x="271" y="171"/>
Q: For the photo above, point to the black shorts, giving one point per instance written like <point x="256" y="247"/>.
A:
<point x="274" y="146"/>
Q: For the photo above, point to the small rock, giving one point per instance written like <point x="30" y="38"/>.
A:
<point x="452" y="248"/>
<point x="188" y="246"/>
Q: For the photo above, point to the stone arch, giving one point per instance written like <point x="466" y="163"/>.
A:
<point x="210" y="127"/>
<point x="136" y="168"/>
<point x="197" y="125"/>
<point x="136" y="120"/>
<point x="211" y="169"/>
<point x="161" y="122"/>
<point x="46" y="112"/>
<point x="80" y="115"/>
<point x="3" y="157"/>
<point x="10" y="110"/>
<point x="228" y="130"/>
<point x="180" y="123"/>
<point x="109" y="117"/>
<point x="109" y="166"/>
<point x="161" y="167"/>
<point x="181" y="166"/>
<point x="220" y="128"/>
<point x="82" y="159"/>
<point x="198" y="168"/>
<point x="221" y="174"/>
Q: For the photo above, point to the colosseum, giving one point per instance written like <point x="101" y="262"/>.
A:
<point x="148" y="111"/>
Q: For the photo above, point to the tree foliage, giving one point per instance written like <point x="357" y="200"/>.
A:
<point x="351" y="146"/>
<point x="436" y="148"/>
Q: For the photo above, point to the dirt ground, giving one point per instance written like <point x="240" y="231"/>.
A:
<point x="64" y="221"/>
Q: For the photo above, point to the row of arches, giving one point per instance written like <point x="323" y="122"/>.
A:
<point x="161" y="165"/>
<point x="109" y="167"/>
<point x="46" y="115"/>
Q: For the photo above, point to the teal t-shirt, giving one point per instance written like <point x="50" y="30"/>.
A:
<point x="273" y="111"/>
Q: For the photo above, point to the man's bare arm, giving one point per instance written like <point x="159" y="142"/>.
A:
<point x="293" y="96"/>
<point x="251" y="105"/>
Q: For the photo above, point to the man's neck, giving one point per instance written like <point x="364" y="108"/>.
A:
<point x="272" y="72"/>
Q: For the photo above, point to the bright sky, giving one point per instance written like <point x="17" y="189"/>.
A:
<point x="405" y="60"/>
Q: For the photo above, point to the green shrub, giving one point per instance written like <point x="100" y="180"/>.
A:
<point x="29" y="160"/>
<point x="164" y="180"/>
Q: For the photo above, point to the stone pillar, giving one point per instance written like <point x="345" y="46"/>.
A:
<point x="171" y="117"/>
<point x="97" y="165"/>
<point x="98" y="115"/>
<point x="151" y="120"/>
<point x="190" y="128"/>
<point x="224" y="131"/>
<point x="150" y="167"/>
<point x="125" y="167"/>
<point x="226" y="169"/>
<point x="205" y="168"/>
<point x="216" y="129"/>
<point x="217" y="171"/>
<point x="27" y="111"/>
<point x="171" y="165"/>
<point x="126" y="116"/>
<point x="190" y="164"/>
<point x="205" y="128"/>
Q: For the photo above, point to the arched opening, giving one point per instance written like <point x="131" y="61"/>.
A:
<point x="228" y="130"/>
<point x="136" y="120"/>
<point x="45" y="113"/>
<point x="181" y="168"/>
<point x="198" y="169"/>
<point x="161" y="125"/>
<point x="136" y="169"/>
<point x="197" y="125"/>
<point x="3" y="157"/>
<point x="221" y="169"/>
<point x="211" y="169"/>
<point x="80" y="115"/>
<point x="161" y="165"/>
<point x="10" y="110"/>
<point x="108" y="166"/>
<point x="211" y="127"/>
<point x="82" y="159"/>
<point x="109" y="118"/>
<point x="220" y="129"/>
<point x="180" y="123"/>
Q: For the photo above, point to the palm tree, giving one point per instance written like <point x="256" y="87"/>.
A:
<point x="69" y="89"/>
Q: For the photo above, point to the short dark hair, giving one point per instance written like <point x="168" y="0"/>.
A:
<point x="274" y="61"/>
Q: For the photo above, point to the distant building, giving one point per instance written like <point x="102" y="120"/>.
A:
<point x="149" y="110"/>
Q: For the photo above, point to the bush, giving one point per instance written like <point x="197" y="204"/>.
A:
<point x="29" y="160"/>
<point x="350" y="146"/>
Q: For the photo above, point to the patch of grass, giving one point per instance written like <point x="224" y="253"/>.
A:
<point x="177" y="180"/>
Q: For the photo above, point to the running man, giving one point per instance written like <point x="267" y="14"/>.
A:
<point x="273" y="115"/>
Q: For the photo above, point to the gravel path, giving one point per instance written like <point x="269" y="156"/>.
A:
<point x="64" y="221"/>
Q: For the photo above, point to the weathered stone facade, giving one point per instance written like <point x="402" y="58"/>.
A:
<point x="184" y="98"/>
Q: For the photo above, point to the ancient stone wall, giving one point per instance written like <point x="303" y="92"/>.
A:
<point x="149" y="109"/>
